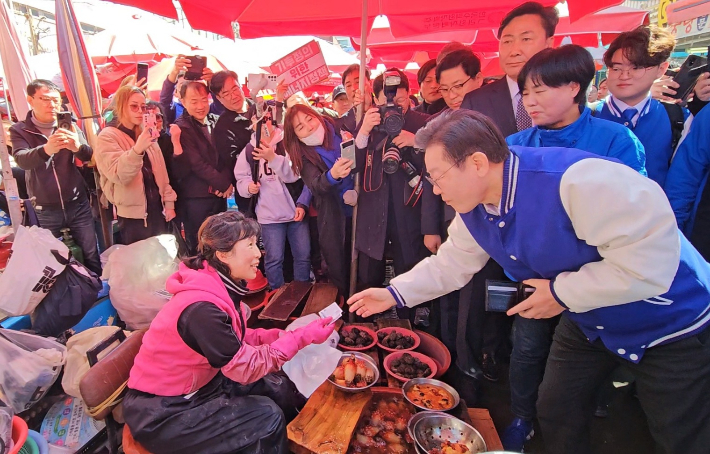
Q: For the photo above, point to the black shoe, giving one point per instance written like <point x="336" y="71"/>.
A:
<point x="490" y="368"/>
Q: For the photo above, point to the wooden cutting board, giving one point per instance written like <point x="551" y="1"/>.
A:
<point x="322" y="296"/>
<point x="327" y="422"/>
<point x="285" y="301"/>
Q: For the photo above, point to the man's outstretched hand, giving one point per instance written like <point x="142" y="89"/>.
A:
<point x="371" y="301"/>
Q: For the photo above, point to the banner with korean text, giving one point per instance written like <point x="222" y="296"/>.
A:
<point x="301" y="68"/>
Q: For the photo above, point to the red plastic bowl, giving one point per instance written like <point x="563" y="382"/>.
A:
<point x="358" y="349"/>
<point x="423" y="358"/>
<point x="436" y="350"/>
<point x="404" y="332"/>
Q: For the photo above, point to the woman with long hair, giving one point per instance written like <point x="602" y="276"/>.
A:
<point x="313" y="143"/>
<point x="133" y="172"/>
<point x="202" y="381"/>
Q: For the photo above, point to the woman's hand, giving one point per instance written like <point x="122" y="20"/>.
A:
<point x="254" y="188"/>
<point x="169" y="214"/>
<point x="143" y="141"/>
<point x="281" y="90"/>
<point x="300" y="214"/>
<point x="341" y="168"/>
<point x="265" y="152"/>
<point x="663" y="88"/>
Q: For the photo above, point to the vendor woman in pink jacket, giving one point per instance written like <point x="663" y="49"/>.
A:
<point x="202" y="381"/>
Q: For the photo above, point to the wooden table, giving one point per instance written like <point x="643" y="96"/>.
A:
<point x="481" y="421"/>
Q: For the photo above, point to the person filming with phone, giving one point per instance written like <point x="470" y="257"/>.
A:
<point x="133" y="172"/>
<point x="47" y="151"/>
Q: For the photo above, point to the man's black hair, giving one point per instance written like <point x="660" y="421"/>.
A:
<point x="466" y="59"/>
<point x="379" y="83"/>
<point x="199" y="86"/>
<point x="39" y="83"/>
<point x="218" y="80"/>
<point x="462" y="133"/>
<point x="424" y="70"/>
<point x="558" y="67"/>
<point x="548" y="15"/>
<point x="354" y="68"/>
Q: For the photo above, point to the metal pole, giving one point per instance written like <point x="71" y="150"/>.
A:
<point x="11" y="192"/>
<point x="359" y="114"/>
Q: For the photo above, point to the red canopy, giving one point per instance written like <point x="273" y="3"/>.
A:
<point x="685" y="10"/>
<point x="342" y="18"/>
<point x="586" y="32"/>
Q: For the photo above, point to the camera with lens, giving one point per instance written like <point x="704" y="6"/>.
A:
<point x="391" y="116"/>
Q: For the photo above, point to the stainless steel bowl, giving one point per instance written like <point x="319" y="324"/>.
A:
<point x="432" y="431"/>
<point x="430" y="381"/>
<point x="422" y="414"/>
<point x="370" y="364"/>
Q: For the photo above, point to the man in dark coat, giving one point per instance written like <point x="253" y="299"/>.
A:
<point x="389" y="205"/>
<point x="208" y="183"/>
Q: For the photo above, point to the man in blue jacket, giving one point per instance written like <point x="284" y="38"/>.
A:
<point x="686" y="184"/>
<point x="600" y="244"/>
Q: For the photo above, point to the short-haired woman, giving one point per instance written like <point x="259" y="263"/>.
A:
<point x="202" y="381"/>
<point x="133" y="172"/>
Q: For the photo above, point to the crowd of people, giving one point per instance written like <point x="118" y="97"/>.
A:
<point x="484" y="181"/>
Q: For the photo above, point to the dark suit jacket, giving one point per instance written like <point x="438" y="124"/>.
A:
<point x="493" y="100"/>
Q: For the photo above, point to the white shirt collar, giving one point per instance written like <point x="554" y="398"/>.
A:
<point x="513" y="87"/>
<point x="617" y="107"/>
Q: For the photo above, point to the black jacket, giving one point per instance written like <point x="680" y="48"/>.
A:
<point x="380" y="192"/>
<point x="433" y="108"/>
<point x="45" y="174"/>
<point x="331" y="221"/>
<point x="209" y="168"/>
<point x="493" y="100"/>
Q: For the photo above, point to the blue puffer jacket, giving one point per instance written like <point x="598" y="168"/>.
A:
<point x="689" y="172"/>
<point x="590" y="134"/>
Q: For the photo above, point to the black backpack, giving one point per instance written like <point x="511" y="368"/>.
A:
<point x="677" y="118"/>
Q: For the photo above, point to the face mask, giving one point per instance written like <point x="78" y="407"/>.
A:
<point x="315" y="138"/>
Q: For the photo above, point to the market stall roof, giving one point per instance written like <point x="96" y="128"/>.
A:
<point x="258" y="18"/>
<point x="685" y="10"/>
<point x="605" y="24"/>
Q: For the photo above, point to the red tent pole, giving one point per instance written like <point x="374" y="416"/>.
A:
<point x="360" y="112"/>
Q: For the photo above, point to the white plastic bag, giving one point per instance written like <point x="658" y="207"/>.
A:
<point x="313" y="364"/>
<point x="136" y="276"/>
<point x="31" y="364"/>
<point x="77" y="363"/>
<point x="31" y="270"/>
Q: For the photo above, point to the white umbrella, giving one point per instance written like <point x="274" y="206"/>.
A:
<point x="17" y="76"/>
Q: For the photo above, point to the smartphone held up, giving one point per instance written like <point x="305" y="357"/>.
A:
<point x="150" y="123"/>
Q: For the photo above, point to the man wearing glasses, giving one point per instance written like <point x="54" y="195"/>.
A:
<point x="635" y="60"/>
<point x="48" y="155"/>
<point x="231" y="132"/>
<point x="600" y="245"/>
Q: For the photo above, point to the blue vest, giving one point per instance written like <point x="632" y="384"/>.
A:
<point x="533" y="238"/>
<point x="654" y="131"/>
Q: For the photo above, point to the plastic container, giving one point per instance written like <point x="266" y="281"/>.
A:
<point x="346" y="329"/>
<point x="403" y="332"/>
<point x="436" y="350"/>
<point x="423" y="358"/>
<point x="19" y="434"/>
<point x="30" y="447"/>
<point x="42" y="445"/>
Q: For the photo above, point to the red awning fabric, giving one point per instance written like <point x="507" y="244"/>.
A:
<point x="606" y="24"/>
<point x="259" y="18"/>
<point x="685" y="10"/>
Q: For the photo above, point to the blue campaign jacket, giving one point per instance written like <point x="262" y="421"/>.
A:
<point x="689" y="172"/>
<point x="534" y="238"/>
<point x="591" y="134"/>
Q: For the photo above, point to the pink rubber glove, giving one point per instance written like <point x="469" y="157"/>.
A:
<point x="315" y="332"/>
